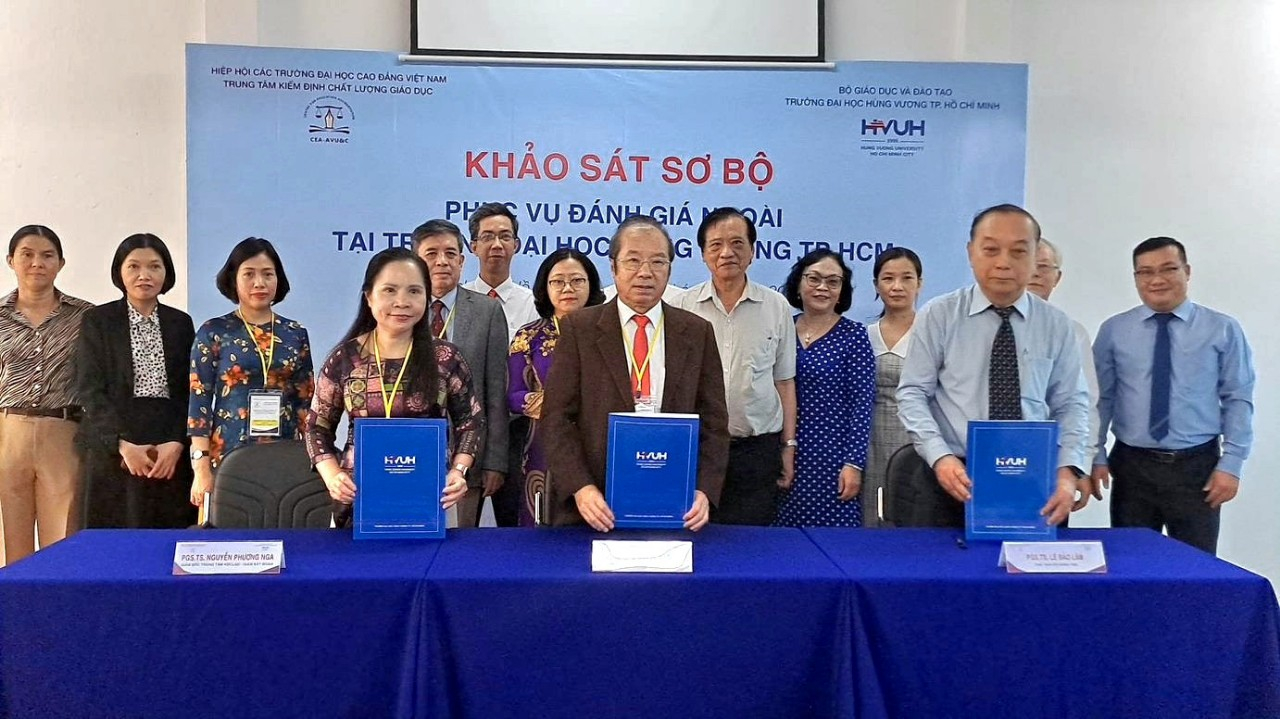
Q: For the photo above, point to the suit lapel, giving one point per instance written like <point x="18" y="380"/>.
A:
<point x="122" y="344"/>
<point x="678" y="354"/>
<point x="609" y="343"/>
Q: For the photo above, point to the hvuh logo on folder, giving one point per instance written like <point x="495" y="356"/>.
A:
<point x="1011" y="466"/>
<point x="399" y="463"/>
<point x="651" y="460"/>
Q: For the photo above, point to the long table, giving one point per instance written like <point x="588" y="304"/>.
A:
<point x="772" y="623"/>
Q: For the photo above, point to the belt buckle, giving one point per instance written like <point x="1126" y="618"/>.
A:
<point x="1165" y="456"/>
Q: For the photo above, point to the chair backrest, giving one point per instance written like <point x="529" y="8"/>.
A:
<point x="269" y="485"/>
<point x="909" y="490"/>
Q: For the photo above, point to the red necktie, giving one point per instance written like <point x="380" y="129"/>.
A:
<point x="639" y="353"/>
<point x="437" y="319"/>
<point x="493" y="293"/>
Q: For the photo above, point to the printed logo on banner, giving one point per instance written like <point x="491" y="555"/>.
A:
<point x="892" y="138"/>
<point x="329" y="120"/>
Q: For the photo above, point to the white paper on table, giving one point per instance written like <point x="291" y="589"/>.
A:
<point x="617" y="555"/>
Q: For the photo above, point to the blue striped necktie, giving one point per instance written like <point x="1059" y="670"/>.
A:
<point x="1161" y="377"/>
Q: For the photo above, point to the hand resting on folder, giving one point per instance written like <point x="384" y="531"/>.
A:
<point x="952" y="477"/>
<point x="595" y="510"/>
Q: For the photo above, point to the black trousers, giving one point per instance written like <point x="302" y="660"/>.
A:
<point x="750" y="494"/>
<point x="1165" y="490"/>
<point x="506" y="501"/>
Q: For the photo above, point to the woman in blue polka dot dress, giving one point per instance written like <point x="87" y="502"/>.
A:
<point x="835" y="390"/>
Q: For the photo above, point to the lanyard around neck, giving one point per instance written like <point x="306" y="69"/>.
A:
<point x="268" y="357"/>
<point x="639" y="372"/>
<point x="382" y="384"/>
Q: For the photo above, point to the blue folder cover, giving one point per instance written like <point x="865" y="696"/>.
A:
<point x="1014" y="469"/>
<point x="652" y="469"/>
<point x="399" y="476"/>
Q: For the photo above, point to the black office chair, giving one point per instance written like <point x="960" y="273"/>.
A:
<point x="269" y="486"/>
<point x="913" y="497"/>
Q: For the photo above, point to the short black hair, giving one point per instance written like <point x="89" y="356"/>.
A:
<point x="720" y="214"/>
<point x="896" y="253"/>
<point x="541" y="295"/>
<point x="143" y="241"/>
<point x="431" y="228"/>
<point x="38" y="231"/>
<point x="491" y="209"/>
<point x="791" y="290"/>
<point x="634" y="221"/>
<point x="244" y="250"/>
<point x="1158" y="243"/>
<point x="1003" y="209"/>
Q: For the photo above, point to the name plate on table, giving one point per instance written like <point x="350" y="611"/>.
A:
<point x="1053" y="557"/>
<point x="652" y="469"/>
<point x="615" y="555"/>
<point x="399" y="477"/>
<point x="228" y="557"/>
<point x="1014" y="469"/>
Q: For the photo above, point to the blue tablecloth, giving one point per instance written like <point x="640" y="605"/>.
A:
<point x="1169" y="632"/>
<point x="760" y="629"/>
<point x="96" y="626"/>
<point x="773" y="622"/>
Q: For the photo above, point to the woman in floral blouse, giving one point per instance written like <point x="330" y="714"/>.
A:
<point x="250" y="352"/>
<point x="567" y="281"/>
<point x="388" y="365"/>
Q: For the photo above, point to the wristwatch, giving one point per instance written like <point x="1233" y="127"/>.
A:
<point x="462" y="469"/>
<point x="198" y="454"/>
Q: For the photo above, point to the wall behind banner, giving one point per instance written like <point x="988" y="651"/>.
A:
<point x="1146" y="117"/>
<point x="335" y="155"/>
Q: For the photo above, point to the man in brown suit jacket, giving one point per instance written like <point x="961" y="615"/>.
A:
<point x="592" y="375"/>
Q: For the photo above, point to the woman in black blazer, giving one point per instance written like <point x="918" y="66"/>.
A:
<point x="131" y="374"/>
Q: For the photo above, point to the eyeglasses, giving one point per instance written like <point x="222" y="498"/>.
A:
<point x="489" y="238"/>
<point x="576" y="283"/>
<point x="657" y="264"/>
<point x="1147" y="274"/>
<point x="831" y="282"/>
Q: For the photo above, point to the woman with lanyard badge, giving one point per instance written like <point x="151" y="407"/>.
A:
<point x="388" y="364"/>
<point x="251" y="375"/>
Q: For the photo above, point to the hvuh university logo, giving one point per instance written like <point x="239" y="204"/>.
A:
<point x="651" y="460"/>
<point x="399" y="463"/>
<point x="329" y="120"/>
<point x="900" y="128"/>
<point x="1011" y="461"/>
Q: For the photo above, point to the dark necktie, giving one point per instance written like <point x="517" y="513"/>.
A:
<point x="437" y="320"/>
<point x="1004" y="393"/>
<point x="1161" y="378"/>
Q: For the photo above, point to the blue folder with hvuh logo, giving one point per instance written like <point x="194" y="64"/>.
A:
<point x="1013" y="465"/>
<point x="399" y="477"/>
<point x="652" y="469"/>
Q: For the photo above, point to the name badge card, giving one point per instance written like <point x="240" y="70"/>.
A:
<point x="264" y="413"/>
<point x="617" y="555"/>
<point x="228" y="557"/>
<point x="1053" y="557"/>
<point x="645" y="405"/>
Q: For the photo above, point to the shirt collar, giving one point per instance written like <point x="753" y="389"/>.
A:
<point x="1183" y="311"/>
<point x="754" y="292"/>
<point x="625" y="313"/>
<point x="449" y="299"/>
<point x="136" y="317"/>
<point x="503" y="290"/>
<point x="978" y="302"/>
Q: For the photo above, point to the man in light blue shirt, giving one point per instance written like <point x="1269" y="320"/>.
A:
<point x="947" y="374"/>
<point x="1174" y="379"/>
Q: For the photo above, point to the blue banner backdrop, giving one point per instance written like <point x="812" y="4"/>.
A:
<point x="334" y="155"/>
